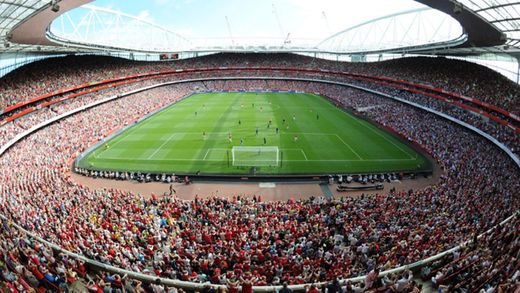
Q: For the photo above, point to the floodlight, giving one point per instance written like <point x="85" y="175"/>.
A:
<point x="54" y="6"/>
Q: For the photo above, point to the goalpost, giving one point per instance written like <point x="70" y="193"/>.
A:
<point x="255" y="156"/>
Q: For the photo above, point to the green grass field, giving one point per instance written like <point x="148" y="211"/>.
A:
<point x="316" y="138"/>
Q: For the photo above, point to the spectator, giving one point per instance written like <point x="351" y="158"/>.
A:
<point x="287" y="242"/>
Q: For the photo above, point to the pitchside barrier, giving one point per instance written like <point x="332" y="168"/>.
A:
<point x="198" y="286"/>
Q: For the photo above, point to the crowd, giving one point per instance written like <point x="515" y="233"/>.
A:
<point x="83" y="69"/>
<point x="485" y="264"/>
<point x="10" y="130"/>
<point x="53" y="74"/>
<point x="455" y="76"/>
<point x="241" y="240"/>
<point x="502" y="133"/>
<point x="465" y="78"/>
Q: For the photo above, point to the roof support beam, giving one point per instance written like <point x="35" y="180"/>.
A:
<point x="480" y="32"/>
<point x="497" y="6"/>
<point x="505" y="20"/>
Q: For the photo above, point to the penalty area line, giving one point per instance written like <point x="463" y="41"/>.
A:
<point x="207" y="152"/>
<point x="330" y="134"/>
<point x="212" y="150"/>
<point x="304" y="155"/>
<point x="161" y="146"/>
<point x="348" y="146"/>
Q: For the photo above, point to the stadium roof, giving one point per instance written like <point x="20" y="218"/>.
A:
<point x="488" y="26"/>
<point x="35" y="14"/>
<point x="12" y="13"/>
<point x="504" y="14"/>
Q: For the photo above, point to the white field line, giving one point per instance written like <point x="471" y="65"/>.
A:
<point x="388" y="140"/>
<point x="330" y="134"/>
<point x="128" y="131"/>
<point x="213" y="149"/>
<point x="216" y="160"/>
<point x="122" y="136"/>
<point x="288" y="133"/>
<point x="282" y="149"/>
<point x="207" y="152"/>
<point x="295" y="149"/>
<point x="100" y="154"/>
<point x="350" y="148"/>
<point x="303" y="153"/>
<point x="160" y="147"/>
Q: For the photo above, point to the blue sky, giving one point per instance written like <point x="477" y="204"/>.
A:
<point x="300" y="18"/>
<point x="291" y="23"/>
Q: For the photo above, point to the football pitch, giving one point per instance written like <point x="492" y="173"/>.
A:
<point x="245" y="132"/>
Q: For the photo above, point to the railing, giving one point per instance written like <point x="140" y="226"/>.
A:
<point x="198" y="286"/>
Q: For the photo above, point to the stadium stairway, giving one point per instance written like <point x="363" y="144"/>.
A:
<point x="326" y="191"/>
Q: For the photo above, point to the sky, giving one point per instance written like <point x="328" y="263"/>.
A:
<point x="302" y="19"/>
<point x="218" y="23"/>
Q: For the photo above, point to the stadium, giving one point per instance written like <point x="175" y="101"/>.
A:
<point x="225" y="146"/>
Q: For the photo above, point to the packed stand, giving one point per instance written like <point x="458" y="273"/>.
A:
<point x="83" y="69"/>
<point x="482" y="265"/>
<point x="465" y="78"/>
<point x="243" y="240"/>
<point x="502" y="133"/>
<point x="456" y="76"/>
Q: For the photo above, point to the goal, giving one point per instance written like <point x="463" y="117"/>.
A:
<point x="255" y="156"/>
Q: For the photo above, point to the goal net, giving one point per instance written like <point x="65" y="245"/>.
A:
<point x="255" y="156"/>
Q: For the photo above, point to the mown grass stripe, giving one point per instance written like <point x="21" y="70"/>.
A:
<point x="313" y="136"/>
